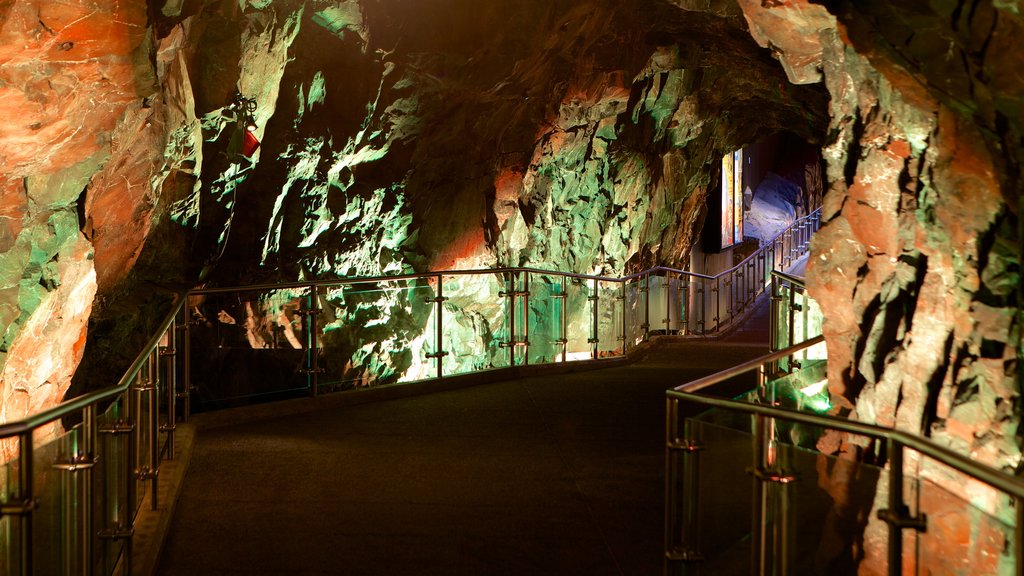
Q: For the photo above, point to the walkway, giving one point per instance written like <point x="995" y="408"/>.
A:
<point x="544" y="475"/>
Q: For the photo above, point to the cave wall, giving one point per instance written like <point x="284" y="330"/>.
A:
<point x="917" y="264"/>
<point x="445" y="134"/>
<point x="581" y="135"/>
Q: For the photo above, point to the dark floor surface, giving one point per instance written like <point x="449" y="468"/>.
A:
<point x="545" y="475"/>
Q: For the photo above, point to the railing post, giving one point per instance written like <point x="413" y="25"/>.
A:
<point x="668" y="302"/>
<point x="684" y="302"/>
<point x="26" y="475"/>
<point x="312" y="352"/>
<point x="623" y="297"/>
<point x="564" y="338"/>
<point x="526" y="318"/>
<point x="897" y="515"/>
<point x="154" y="427"/>
<point x="770" y="542"/>
<point x="511" y="287"/>
<point x="439" y="353"/>
<point x="702" y="321"/>
<point x="186" y="366"/>
<point x="132" y="425"/>
<point x="439" y="328"/>
<point x="170" y="353"/>
<point x="682" y="476"/>
<point x="718" y="302"/>
<point x="595" y="338"/>
<point x="647" y="307"/>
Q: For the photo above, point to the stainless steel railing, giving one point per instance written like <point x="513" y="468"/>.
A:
<point x="533" y="316"/>
<point x="772" y="549"/>
<point x="70" y="501"/>
<point x="68" y="504"/>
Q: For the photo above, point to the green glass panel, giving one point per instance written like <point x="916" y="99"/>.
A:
<point x="374" y="333"/>
<point x="635" y="308"/>
<point x="609" y="319"/>
<point x="476" y="319"/>
<point x="580" y="311"/>
<point x="545" y="318"/>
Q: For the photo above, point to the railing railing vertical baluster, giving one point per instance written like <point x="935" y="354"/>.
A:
<point x="170" y="353"/>
<point x="526" y="318"/>
<point x="682" y="490"/>
<point x="186" y="367"/>
<point x="623" y="308"/>
<point x="595" y="337"/>
<point x="89" y="432"/>
<point x="26" y="476"/>
<point x="313" y="352"/>
<point x="667" y="288"/>
<point x="439" y="328"/>
<point x="153" y="473"/>
<point x="564" y="340"/>
<point x="647" y="307"/>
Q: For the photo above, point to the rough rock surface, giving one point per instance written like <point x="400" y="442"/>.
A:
<point x="410" y="136"/>
<point x="918" y="264"/>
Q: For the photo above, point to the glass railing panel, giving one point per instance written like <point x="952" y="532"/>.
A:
<point x="375" y="333"/>
<point x="702" y="307"/>
<point x="475" y="323"/>
<point x="9" y="545"/>
<point x="57" y="493"/>
<point x="970" y="525"/>
<point x="635" y="309"/>
<point x="10" y="526"/>
<point x="111" y="511"/>
<point x="609" y="319"/>
<point x="580" y="310"/>
<point x="664" y="310"/>
<point x="247" y="347"/>
<point x="804" y="390"/>
<point x="814" y="516"/>
<point x="813" y="503"/>
<point x="141" y="419"/>
<point x="546" y="310"/>
<point x="723" y="498"/>
<point x="807" y="324"/>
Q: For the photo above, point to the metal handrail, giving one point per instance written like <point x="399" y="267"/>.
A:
<point x="732" y="372"/>
<point x="682" y="450"/>
<point x="506" y="270"/>
<point x="957" y="461"/>
<point x="795" y="280"/>
<point x="76" y="404"/>
<point x="133" y="387"/>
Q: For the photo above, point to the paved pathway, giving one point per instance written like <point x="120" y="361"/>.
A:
<point x="545" y="475"/>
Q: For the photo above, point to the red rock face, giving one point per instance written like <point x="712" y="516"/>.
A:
<point x="67" y="73"/>
<point x="920" y="337"/>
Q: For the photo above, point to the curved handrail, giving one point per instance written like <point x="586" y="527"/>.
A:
<point x="1009" y="484"/>
<point x="795" y="280"/>
<point x="505" y="270"/>
<point x="76" y="404"/>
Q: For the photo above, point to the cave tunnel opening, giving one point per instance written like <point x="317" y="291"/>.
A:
<point x="757" y="191"/>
